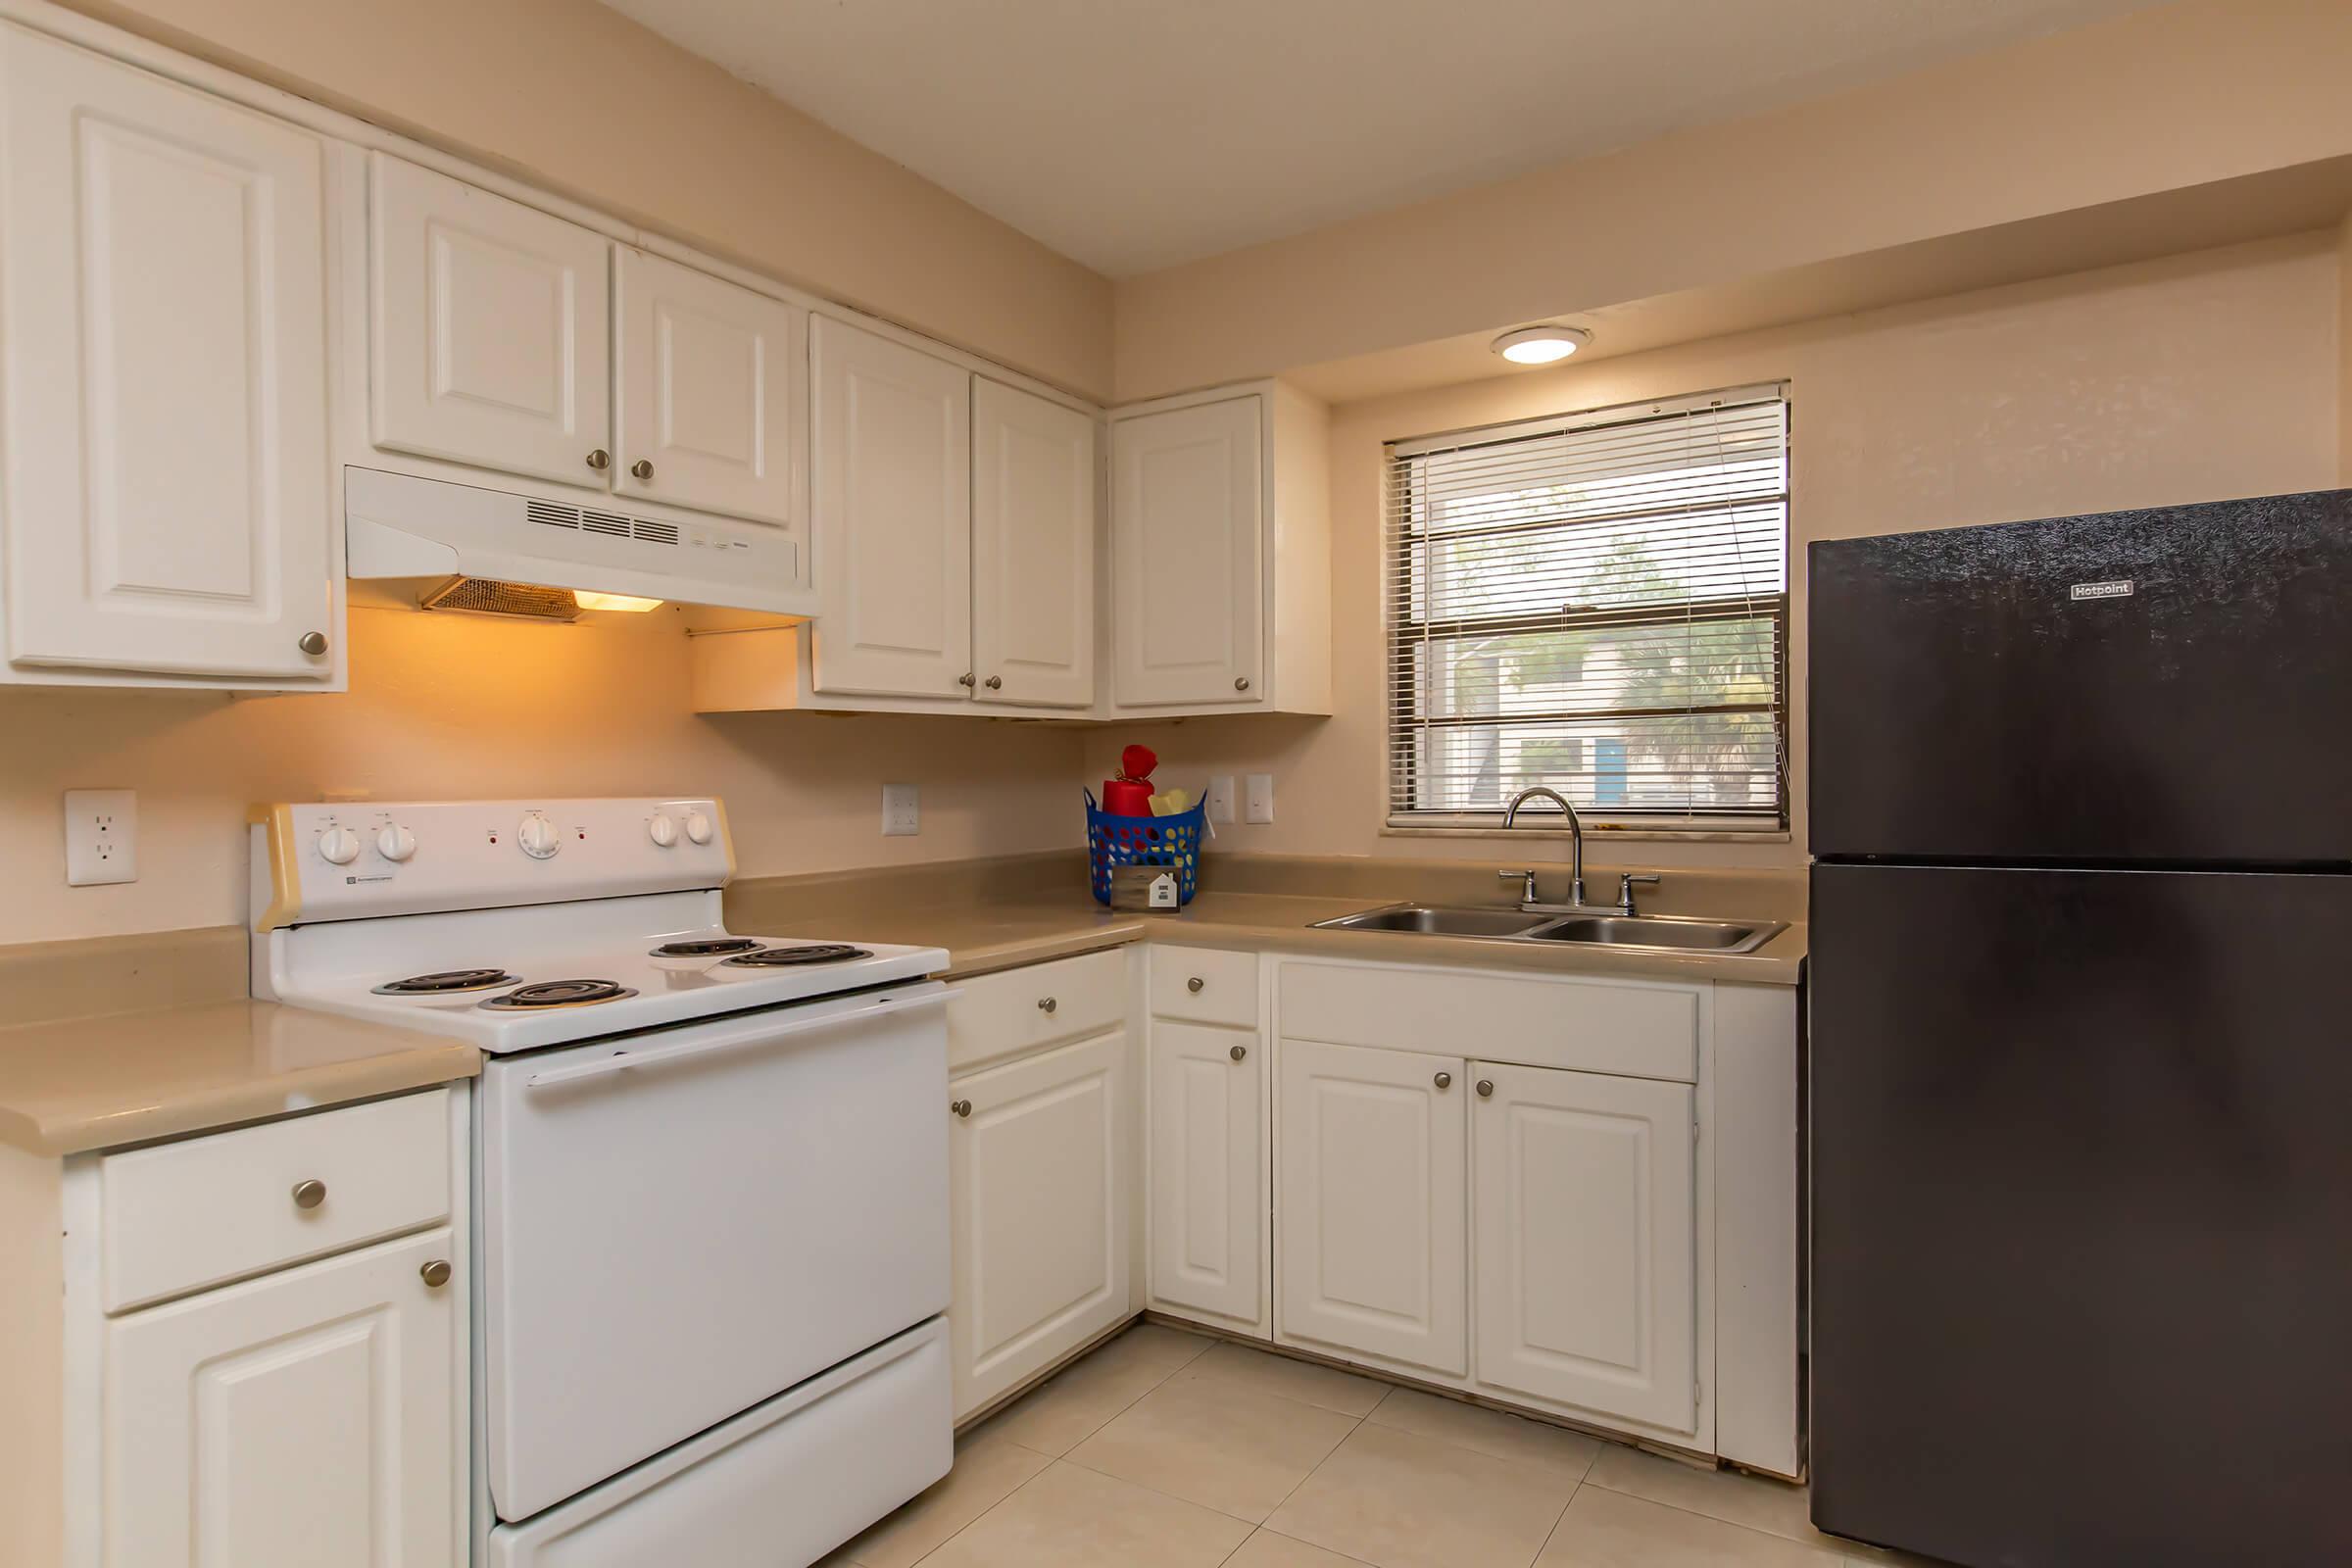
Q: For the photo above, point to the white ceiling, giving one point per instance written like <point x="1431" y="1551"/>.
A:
<point x="1134" y="135"/>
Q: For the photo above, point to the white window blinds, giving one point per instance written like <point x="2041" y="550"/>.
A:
<point x="1598" y="602"/>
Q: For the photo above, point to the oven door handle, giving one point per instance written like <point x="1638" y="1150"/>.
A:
<point x="765" y="1033"/>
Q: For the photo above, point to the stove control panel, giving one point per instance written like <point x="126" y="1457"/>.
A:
<point x="345" y="861"/>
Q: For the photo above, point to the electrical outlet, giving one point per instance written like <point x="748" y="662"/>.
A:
<point x="1220" y="797"/>
<point x="901" y="810"/>
<point x="102" y="837"/>
<point x="1262" y="797"/>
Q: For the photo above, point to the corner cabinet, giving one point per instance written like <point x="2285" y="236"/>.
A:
<point x="1220" y="554"/>
<point x="1207" y="1210"/>
<point x="165" y="258"/>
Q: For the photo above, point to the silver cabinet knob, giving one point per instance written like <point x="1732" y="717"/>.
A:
<point x="995" y="683"/>
<point x="964" y="680"/>
<point x="600" y="460"/>
<point x="642" y="468"/>
<point x="1485" y="1088"/>
<point x="1194" y="984"/>
<point x="1444" y="1080"/>
<point x="312" y="643"/>
<point x="309" y="1194"/>
<point x="1046" y="1003"/>
<point x="436" y="1273"/>
<point x="962" y="1107"/>
<point x="1241" y="683"/>
<point x="1238" y="1053"/>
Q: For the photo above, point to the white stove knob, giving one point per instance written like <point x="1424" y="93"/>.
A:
<point x="663" y="829"/>
<point x="540" y="839"/>
<point x="339" y="846"/>
<point x="395" y="842"/>
<point x="698" y="827"/>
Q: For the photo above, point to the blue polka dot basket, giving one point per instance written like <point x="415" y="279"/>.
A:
<point x="1171" y="841"/>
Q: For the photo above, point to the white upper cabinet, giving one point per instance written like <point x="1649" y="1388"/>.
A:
<point x="1371" y="1231"/>
<point x="1033" y="549"/>
<point x="1188" y="567"/>
<point x="709" y="411"/>
<point x="489" y="328"/>
<point x="890" y="476"/>
<point x="163" y="334"/>
<point x="1586" y="1242"/>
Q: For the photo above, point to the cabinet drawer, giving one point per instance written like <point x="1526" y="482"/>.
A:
<point x="181" y="1217"/>
<point x="1635" y="1029"/>
<point x="998" y="1015"/>
<point x="1203" y="986"/>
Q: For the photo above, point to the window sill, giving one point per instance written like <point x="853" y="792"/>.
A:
<point x="1619" y="832"/>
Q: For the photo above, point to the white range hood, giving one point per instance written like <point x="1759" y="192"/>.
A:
<point x="415" y="536"/>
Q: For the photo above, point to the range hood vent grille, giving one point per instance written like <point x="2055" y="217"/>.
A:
<point x="551" y="515"/>
<point x="487" y="596"/>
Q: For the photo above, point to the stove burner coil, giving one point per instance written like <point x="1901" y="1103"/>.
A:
<point x="541" y="994"/>
<point x="447" y="980"/>
<point x="705" y="948"/>
<point x="811" y="952"/>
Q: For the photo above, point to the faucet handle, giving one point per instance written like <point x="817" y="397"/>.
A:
<point x="1626" y="881"/>
<point x="1527" y="884"/>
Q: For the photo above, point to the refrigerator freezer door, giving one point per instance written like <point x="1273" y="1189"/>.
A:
<point x="2081" y="1194"/>
<point x="2166" y="685"/>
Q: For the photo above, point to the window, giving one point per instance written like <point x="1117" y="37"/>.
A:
<point x="1598" y="602"/>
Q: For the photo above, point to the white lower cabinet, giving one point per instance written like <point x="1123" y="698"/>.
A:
<point x="1039" y="1172"/>
<point x="305" y="1417"/>
<point x="1371" y="1232"/>
<point x="1583" y="1207"/>
<point x="1208" y="1186"/>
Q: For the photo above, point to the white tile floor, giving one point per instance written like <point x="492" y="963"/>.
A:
<point x="1168" y="1449"/>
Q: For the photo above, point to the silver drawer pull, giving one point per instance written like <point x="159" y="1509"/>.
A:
<point x="1046" y="1004"/>
<point x="436" y="1273"/>
<point x="1194" y="984"/>
<point x="309" y="1194"/>
<point x="1444" y="1080"/>
<point x="962" y="1107"/>
<point x="1485" y="1088"/>
<point x="1238" y="1053"/>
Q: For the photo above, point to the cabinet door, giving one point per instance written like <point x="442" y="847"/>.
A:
<point x="1586" y="1242"/>
<point x="1208" y="1201"/>
<point x="706" y="400"/>
<point x="1187" y="555"/>
<point x="490" y="339"/>
<point x="1033" y="549"/>
<point x="164" y="258"/>
<point x="891" y="481"/>
<point x="307" y="1417"/>
<point x="1039" y="1214"/>
<point x="1370" y="1225"/>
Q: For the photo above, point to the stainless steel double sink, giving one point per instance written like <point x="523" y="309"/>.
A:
<point x="1667" y="933"/>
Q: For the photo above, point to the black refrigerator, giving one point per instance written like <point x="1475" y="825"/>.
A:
<point x="2081" y="1052"/>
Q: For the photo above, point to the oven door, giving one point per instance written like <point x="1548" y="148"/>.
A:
<point x="681" y="1224"/>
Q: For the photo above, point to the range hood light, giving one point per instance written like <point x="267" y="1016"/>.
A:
<point x="588" y="599"/>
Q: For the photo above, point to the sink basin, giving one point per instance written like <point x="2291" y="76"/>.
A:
<point x="1440" y="923"/>
<point x="1659" y="931"/>
<point x="1672" y="932"/>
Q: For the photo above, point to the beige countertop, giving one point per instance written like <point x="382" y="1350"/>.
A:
<point x="999" y="934"/>
<point x="72" y="1084"/>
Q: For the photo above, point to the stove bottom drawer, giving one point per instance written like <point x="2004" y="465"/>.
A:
<point x="776" y="1487"/>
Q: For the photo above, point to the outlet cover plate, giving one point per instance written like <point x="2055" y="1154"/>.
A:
<point x="901" y="810"/>
<point x="1220" y="797"/>
<point x="102" y="837"/>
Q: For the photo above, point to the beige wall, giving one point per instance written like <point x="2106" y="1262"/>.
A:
<point x="457" y="707"/>
<point x="583" y="100"/>
<point x="2197" y="377"/>
<point x="2183" y="94"/>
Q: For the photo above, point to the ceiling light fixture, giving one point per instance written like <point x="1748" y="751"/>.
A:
<point x="1540" y="345"/>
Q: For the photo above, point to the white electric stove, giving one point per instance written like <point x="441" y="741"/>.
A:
<point x="711" y="1167"/>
